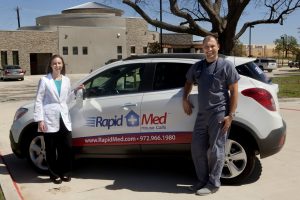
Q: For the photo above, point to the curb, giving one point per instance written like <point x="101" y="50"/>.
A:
<point x="9" y="187"/>
<point x="288" y="99"/>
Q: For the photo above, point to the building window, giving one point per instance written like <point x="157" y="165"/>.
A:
<point x="15" y="55"/>
<point x="84" y="50"/>
<point x="3" y="58"/>
<point x="65" y="51"/>
<point x="119" y="49"/>
<point x="144" y="49"/>
<point x="132" y="49"/>
<point x="75" y="50"/>
<point x="119" y="57"/>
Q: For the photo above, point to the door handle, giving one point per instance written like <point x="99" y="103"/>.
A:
<point x="126" y="105"/>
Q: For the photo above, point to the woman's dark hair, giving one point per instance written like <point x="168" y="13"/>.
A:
<point x="63" y="70"/>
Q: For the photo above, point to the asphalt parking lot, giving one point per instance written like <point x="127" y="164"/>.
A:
<point x="140" y="178"/>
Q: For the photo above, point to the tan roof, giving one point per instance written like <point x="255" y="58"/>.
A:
<point x="93" y="7"/>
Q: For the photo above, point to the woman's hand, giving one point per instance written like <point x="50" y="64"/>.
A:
<point x="42" y="126"/>
<point x="80" y="87"/>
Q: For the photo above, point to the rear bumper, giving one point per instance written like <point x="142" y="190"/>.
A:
<point x="13" y="76"/>
<point x="273" y="143"/>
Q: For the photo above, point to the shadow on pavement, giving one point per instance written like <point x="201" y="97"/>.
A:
<point x="171" y="175"/>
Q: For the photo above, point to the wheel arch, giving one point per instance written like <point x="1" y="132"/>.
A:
<point x="241" y="130"/>
<point x="29" y="129"/>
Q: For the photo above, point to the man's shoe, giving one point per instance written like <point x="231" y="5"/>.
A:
<point x="206" y="190"/>
<point x="196" y="187"/>
<point x="56" y="180"/>
<point x="66" y="178"/>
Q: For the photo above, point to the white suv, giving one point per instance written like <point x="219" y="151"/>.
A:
<point x="134" y="108"/>
<point x="268" y="64"/>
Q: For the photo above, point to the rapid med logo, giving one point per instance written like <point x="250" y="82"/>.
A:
<point x="132" y="120"/>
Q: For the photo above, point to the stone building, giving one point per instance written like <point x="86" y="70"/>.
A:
<point x="180" y="43"/>
<point x="29" y="49"/>
<point x="87" y="36"/>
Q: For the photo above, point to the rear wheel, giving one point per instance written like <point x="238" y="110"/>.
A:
<point x="35" y="152"/>
<point x="239" y="161"/>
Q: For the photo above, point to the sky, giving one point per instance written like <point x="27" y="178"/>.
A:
<point x="31" y="9"/>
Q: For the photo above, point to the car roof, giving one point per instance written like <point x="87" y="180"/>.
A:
<point x="239" y="60"/>
<point x="171" y="55"/>
<point x="234" y="59"/>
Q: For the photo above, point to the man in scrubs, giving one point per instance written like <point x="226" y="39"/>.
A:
<point x="217" y="81"/>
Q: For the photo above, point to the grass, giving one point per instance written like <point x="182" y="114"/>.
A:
<point x="289" y="87"/>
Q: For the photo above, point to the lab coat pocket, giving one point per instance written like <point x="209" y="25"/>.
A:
<point x="51" y="116"/>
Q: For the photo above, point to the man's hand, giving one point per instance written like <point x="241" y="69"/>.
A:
<point x="187" y="106"/>
<point x="227" y="123"/>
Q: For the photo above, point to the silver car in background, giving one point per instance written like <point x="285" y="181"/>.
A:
<point x="12" y="72"/>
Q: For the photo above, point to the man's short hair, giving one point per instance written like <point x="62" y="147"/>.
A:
<point x="210" y="37"/>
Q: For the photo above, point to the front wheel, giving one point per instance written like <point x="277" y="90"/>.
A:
<point x="239" y="161"/>
<point x="35" y="152"/>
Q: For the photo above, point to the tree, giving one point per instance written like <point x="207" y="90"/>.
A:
<point x="221" y="17"/>
<point x="287" y="44"/>
<point x="238" y="49"/>
<point x="154" y="48"/>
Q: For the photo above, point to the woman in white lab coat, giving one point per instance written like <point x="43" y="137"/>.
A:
<point x="52" y="114"/>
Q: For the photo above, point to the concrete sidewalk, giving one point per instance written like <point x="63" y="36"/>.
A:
<point x="9" y="187"/>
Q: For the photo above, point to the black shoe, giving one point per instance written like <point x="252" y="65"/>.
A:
<point x="66" y="178"/>
<point x="56" y="180"/>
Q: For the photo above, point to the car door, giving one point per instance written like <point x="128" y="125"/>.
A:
<point x="164" y="125"/>
<point x="107" y="120"/>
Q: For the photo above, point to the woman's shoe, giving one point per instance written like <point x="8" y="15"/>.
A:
<point x="56" y="180"/>
<point x="66" y="178"/>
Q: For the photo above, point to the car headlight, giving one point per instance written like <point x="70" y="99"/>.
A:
<point x="20" y="112"/>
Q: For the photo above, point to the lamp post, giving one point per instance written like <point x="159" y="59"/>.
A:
<point x="283" y="47"/>
<point x="160" y="17"/>
<point x="250" y="53"/>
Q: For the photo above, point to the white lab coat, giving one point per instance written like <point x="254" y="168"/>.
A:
<point x="50" y="106"/>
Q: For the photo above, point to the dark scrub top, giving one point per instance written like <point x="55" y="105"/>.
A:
<point x="213" y="80"/>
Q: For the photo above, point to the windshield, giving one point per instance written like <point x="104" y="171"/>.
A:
<point x="13" y="67"/>
<point x="253" y="71"/>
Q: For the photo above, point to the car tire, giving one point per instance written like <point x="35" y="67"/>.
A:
<point x="240" y="161"/>
<point x="35" y="152"/>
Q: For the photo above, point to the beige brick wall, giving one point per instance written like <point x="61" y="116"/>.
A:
<point x="26" y="42"/>
<point x="138" y="35"/>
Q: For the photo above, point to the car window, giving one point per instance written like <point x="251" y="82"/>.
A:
<point x="253" y="71"/>
<point x="170" y="75"/>
<point x="121" y="80"/>
<point x="13" y="67"/>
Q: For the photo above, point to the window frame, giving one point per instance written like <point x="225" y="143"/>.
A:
<point x="85" y="50"/>
<point x="111" y="83"/>
<point x="65" y="50"/>
<point x="75" y="50"/>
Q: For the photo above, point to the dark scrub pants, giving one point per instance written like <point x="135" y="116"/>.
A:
<point x="208" y="147"/>
<point x="208" y="140"/>
<point x="59" y="151"/>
